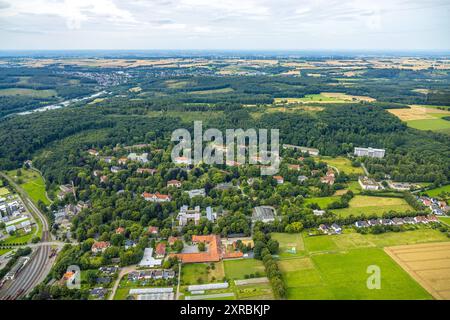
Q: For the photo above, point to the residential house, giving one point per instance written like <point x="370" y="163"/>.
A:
<point x="182" y="160"/>
<point x="160" y="250"/>
<point x="279" y="179"/>
<point x="146" y="170"/>
<point x="100" y="246"/>
<point x="174" y="183"/>
<point x="156" y="197"/>
<point x="153" y="230"/>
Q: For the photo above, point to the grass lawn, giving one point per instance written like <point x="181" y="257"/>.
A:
<point x="3" y="251"/>
<point x="437" y="191"/>
<point x="121" y="293"/>
<point x="344" y="276"/>
<point x="373" y="205"/>
<point x="33" y="184"/>
<point x="254" y="292"/>
<point x="343" y="165"/>
<point x="3" y="191"/>
<point x="288" y="242"/>
<point x="323" y="202"/>
<point x="430" y="124"/>
<point x="192" y="273"/>
<point x="445" y="220"/>
<point x="28" y="92"/>
<point x="20" y="237"/>
<point x="319" y="243"/>
<point x="238" y="269"/>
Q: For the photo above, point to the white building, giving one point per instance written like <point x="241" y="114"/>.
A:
<point x="185" y="215"/>
<point x="196" y="192"/>
<point x="369" y="152"/>
<point x="368" y="184"/>
<point x="148" y="260"/>
<point x="143" y="158"/>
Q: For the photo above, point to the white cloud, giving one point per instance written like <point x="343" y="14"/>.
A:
<point x="281" y="24"/>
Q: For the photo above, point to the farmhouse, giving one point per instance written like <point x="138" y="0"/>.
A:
<point x="156" y="197"/>
<point x="214" y="252"/>
<point x="264" y="214"/>
<point x="369" y="152"/>
<point x="368" y="184"/>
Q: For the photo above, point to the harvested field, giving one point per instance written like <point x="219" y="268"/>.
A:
<point x="428" y="264"/>
<point x="417" y="112"/>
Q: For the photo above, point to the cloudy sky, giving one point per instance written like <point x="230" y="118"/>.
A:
<point x="225" y="24"/>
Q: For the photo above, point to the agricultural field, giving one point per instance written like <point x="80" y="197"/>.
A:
<point x="239" y="268"/>
<point x="334" y="267"/>
<point x="197" y="273"/>
<point x="373" y="205"/>
<point x="325" y="97"/>
<point x="33" y="184"/>
<point x="344" y="275"/>
<point x="343" y="165"/>
<point x="428" y="264"/>
<point x="424" y="117"/>
<point x="28" y="93"/>
<point x="212" y="91"/>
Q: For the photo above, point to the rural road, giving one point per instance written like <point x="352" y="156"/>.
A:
<point x="40" y="263"/>
<point x="124" y="271"/>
